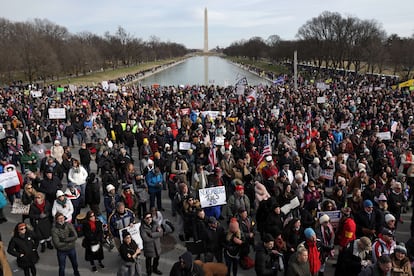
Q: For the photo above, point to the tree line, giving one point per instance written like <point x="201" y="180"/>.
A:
<point x="40" y="50"/>
<point x="333" y="41"/>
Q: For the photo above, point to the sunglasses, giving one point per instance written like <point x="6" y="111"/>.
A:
<point x="23" y="228"/>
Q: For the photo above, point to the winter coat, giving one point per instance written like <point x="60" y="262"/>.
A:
<point x="264" y="261"/>
<point x="296" y="268"/>
<point x="65" y="209"/>
<point x="41" y="222"/>
<point x="151" y="239"/>
<point x="26" y="245"/>
<point x="78" y="175"/>
<point x="92" y="193"/>
<point x="64" y="236"/>
<point x="119" y="221"/>
<point x="93" y="238"/>
<point x="154" y="181"/>
<point x="49" y="187"/>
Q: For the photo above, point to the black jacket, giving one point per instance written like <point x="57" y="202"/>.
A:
<point x="264" y="261"/>
<point x="26" y="245"/>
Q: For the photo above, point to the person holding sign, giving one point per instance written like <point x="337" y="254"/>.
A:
<point x="129" y="252"/>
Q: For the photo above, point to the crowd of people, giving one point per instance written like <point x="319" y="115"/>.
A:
<point x="287" y="159"/>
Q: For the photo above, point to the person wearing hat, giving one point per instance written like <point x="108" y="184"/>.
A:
<point x="401" y="264"/>
<point x="314" y="170"/>
<point x="346" y="231"/>
<point x="389" y="222"/>
<point x="354" y="257"/>
<point x="384" y="245"/>
<point x="273" y="222"/>
<point x="325" y="233"/>
<point x="314" y="247"/>
<point x="50" y="185"/>
<point x="129" y="252"/>
<point x="215" y="236"/>
<point x="129" y="198"/>
<point x="111" y="199"/>
<point x="247" y="226"/>
<point x="64" y="238"/>
<point x="396" y="201"/>
<point x="367" y="221"/>
<point x="63" y="205"/>
<point x="186" y="266"/>
<point x="264" y="257"/>
<point x="23" y="245"/>
<point x="56" y="151"/>
<point x="151" y="234"/>
<point x="371" y="192"/>
<point x="269" y="170"/>
<point x="360" y="181"/>
<point x="236" y="201"/>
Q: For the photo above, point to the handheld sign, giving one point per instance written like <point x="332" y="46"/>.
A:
<point x="57" y="113"/>
<point x="212" y="196"/>
<point x="134" y="231"/>
<point x="9" y="179"/>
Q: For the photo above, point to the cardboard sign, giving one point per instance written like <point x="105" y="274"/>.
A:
<point x="9" y="179"/>
<point x="57" y="113"/>
<point x="334" y="216"/>
<point x="19" y="208"/>
<point x="212" y="196"/>
<point x="135" y="234"/>
<point x="294" y="203"/>
<point x="36" y="94"/>
<point x="321" y="100"/>
<point x="113" y="87"/>
<point x="384" y="135"/>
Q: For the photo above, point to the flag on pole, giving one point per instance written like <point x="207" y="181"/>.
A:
<point x="308" y="128"/>
<point x="252" y="95"/>
<point x="212" y="158"/>
<point x="267" y="150"/>
<point x="279" y="81"/>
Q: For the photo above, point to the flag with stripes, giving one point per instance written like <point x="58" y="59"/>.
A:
<point x="267" y="150"/>
<point x="212" y="158"/>
<point x="279" y="81"/>
<point x="308" y="128"/>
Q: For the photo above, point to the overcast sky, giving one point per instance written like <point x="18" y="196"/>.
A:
<point x="182" y="21"/>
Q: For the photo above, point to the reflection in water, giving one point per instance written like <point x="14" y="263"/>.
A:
<point x="203" y="70"/>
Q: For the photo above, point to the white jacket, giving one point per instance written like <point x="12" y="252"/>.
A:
<point x="67" y="211"/>
<point x="78" y="175"/>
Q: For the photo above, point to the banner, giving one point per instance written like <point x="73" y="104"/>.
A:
<point x="9" y="179"/>
<point x="334" y="216"/>
<point x="135" y="234"/>
<point x="57" y="113"/>
<point x="212" y="196"/>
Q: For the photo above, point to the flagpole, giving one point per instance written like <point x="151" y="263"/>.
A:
<point x="295" y="69"/>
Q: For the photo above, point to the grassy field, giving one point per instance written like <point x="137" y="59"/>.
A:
<point x="264" y="65"/>
<point x="97" y="77"/>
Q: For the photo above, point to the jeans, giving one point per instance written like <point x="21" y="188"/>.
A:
<point x="231" y="263"/>
<point x="61" y="255"/>
<point x="153" y="196"/>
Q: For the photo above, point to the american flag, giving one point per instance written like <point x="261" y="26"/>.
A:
<point x="212" y="158"/>
<point x="308" y="128"/>
<point x="267" y="150"/>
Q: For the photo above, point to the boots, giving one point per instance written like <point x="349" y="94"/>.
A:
<point x="49" y="245"/>
<point x="43" y="247"/>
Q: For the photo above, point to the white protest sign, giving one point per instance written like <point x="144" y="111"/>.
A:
<point x="113" y="87"/>
<point x="184" y="146"/>
<point x="135" y="234"/>
<point x="57" y="113"/>
<point x="213" y="114"/>
<point x="275" y="112"/>
<point x="294" y="203"/>
<point x="321" y="99"/>
<point x="36" y="94"/>
<point x="212" y="196"/>
<point x="105" y="85"/>
<point x="334" y="216"/>
<point x="9" y="179"/>
<point x="72" y="87"/>
<point x="384" y="135"/>
<point x="219" y="141"/>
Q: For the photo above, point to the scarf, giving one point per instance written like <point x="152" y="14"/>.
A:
<point x="92" y="225"/>
<point x="62" y="203"/>
<point x="128" y="200"/>
<point x="314" y="261"/>
<point x="41" y="206"/>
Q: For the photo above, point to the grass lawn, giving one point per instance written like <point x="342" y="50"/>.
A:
<point x="97" y="77"/>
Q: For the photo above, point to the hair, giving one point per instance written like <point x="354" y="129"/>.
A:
<point x="41" y="195"/>
<point x="301" y="249"/>
<point x="384" y="259"/>
<point x="88" y="214"/>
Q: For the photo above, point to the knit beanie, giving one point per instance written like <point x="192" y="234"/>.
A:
<point x="309" y="232"/>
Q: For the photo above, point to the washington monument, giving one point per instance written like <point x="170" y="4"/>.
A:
<point x="205" y="31"/>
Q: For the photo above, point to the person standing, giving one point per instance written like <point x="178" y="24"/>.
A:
<point x="78" y="176"/>
<point x="129" y="252"/>
<point x="64" y="238"/>
<point x="233" y="243"/>
<point x="382" y="267"/>
<point x="62" y="205"/>
<point x="40" y="213"/>
<point x="23" y="246"/>
<point x="151" y="234"/>
<point x="265" y="259"/>
<point x="299" y="263"/>
<point x="93" y="232"/>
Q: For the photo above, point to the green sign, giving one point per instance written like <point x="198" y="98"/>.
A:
<point x="60" y="89"/>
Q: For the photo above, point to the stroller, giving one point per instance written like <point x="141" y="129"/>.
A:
<point x="107" y="238"/>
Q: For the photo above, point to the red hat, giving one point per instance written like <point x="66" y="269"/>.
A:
<point x="239" y="188"/>
<point x="48" y="152"/>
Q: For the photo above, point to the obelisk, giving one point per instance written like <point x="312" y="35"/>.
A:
<point x="205" y="31"/>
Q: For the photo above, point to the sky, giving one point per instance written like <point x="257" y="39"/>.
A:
<point x="182" y="21"/>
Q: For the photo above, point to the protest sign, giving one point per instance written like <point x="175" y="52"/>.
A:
<point x="135" y="234"/>
<point x="384" y="135"/>
<point x="212" y="196"/>
<point x="57" y="113"/>
<point x="18" y="208"/>
<point x="9" y="179"/>
<point x="36" y="94"/>
<point x="184" y="146"/>
<point x="334" y="216"/>
<point x="321" y="100"/>
<point x="105" y="85"/>
<point x="294" y="203"/>
<point x="60" y="89"/>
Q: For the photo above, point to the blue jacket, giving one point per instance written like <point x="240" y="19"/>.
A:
<point x="154" y="180"/>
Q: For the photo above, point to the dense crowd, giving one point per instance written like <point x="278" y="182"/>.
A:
<point x="289" y="161"/>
